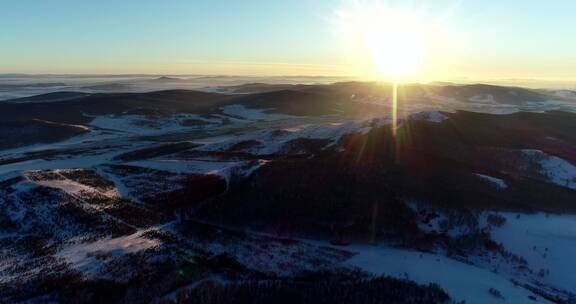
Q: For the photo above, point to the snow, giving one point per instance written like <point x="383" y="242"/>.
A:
<point x="248" y="171"/>
<point x="499" y="183"/>
<point x="428" y="116"/>
<point x="550" y="105"/>
<point x="187" y="166"/>
<point x="9" y="175"/>
<point x="71" y="142"/>
<point x="67" y="186"/>
<point x="546" y="242"/>
<point x="434" y="221"/>
<point x="120" y="187"/>
<point x="217" y="90"/>
<point x="74" y="188"/>
<point x="450" y="104"/>
<point x="82" y="127"/>
<point x="84" y="161"/>
<point x="223" y="169"/>
<point x="554" y="169"/>
<point x="434" y="225"/>
<point x="127" y="123"/>
<point x="87" y="257"/>
<point x="488" y="98"/>
<point x="565" y="94"/>
<point x="460" y="280"/>
<point x="252" y="114"/>
<point x="272" y="141"/>
<point x="375" y="100"/>
<point x="486" y="103"/>
<point x="142" y="125"/>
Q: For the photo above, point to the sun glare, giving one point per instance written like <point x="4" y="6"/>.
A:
<point x="388" y="42"/>
<point x="395" y="46"/>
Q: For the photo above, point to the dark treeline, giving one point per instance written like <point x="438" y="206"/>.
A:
<point x="365" y="291"/>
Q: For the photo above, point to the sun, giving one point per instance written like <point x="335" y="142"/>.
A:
<point x="396" y="50"/>
<point x="395" y="41"/>
<point x="389" y="42"/>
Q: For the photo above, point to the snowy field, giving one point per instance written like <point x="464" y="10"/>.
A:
<point x="552" y="168"/>
<point x="546" y="241"/>
<point x="461" y="281"/>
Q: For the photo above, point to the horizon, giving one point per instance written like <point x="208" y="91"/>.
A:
<point x="531" y="83"/>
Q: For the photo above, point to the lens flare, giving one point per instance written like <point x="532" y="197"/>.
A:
<point x="390" y="42"/>
<point x="396" y="48"/>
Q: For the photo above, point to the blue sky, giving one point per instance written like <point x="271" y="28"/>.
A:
<point x="503" y="38"/>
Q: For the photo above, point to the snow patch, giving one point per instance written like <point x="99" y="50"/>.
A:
<point x="488" y="98"/>
<point x="252" y="114"/>
<point x="435" y="222"/>
<point x="552" y="168"/>
<point x="187" y="166"/>
<point x="428" y="116"/>
<point x="271" y="141"/>
<point x="546" y="241"/>
<point x="460" y="280"/>
<point x="81" y="127"/>
<point x="499" y="183"/>
<point x="142" y="125"/>
<point x="72" y="162"/>
<point x="89" y="257"/>
<point x="68" y="186"/>
<point x="565" y="94"/>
